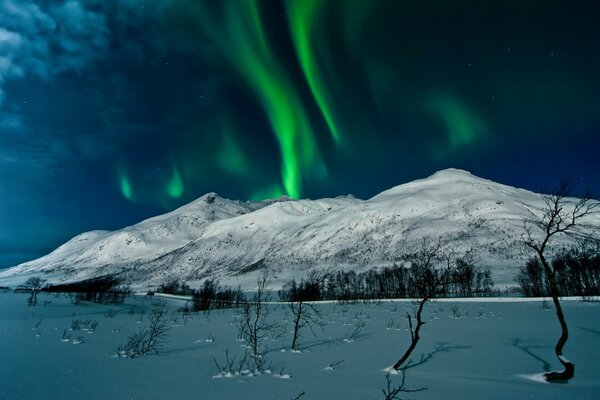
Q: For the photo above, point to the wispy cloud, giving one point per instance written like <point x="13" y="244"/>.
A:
<point x="45" y="41"/>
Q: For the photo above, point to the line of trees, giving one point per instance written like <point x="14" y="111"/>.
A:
<point x="209" y="297"/>
<point x="576" y="275"/>
<point x="213" y="296"/>
<point x="175" y="286"/>
<point x="101" y="290"/>
<point x="398" y="281"/>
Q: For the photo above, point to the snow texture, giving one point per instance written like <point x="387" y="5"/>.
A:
<point x="495" y="351"/>
<point x="230" y="240"/>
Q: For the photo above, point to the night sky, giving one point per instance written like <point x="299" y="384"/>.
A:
<point x="114" y="111"/>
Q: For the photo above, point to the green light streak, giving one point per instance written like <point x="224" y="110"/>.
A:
<point x="124" y="184"/>
<point x="272" y="192"/>
<point x="463" y="126"/>
<point x="231" y="157"/>
<point x="237" y="31"/>
<point x="302" y="16"/>
<point x="174" y="187"/>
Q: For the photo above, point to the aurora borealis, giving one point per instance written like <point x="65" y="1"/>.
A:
<point x="114" y="111"/>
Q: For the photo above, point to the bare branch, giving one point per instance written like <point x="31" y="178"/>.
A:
<point x="561" y="215"/>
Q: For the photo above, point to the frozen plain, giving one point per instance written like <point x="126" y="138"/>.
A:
<point x="469" y="350"/>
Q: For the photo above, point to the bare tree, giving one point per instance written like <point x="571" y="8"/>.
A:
<point x="306" y="314"/>
<point x="148" y="339"/>
<point x="35" y="284"/>
<point x="561" y="215"/>
<point x="391" y="392"/>
<point x="300" y="395"/>
<point x="254" y="325"/>
<point x="429" y="283"/>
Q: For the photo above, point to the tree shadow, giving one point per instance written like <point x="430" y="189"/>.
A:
<point x="311" y="344"/>
<point x="526" y="346"/>
<point x="440" y="347"/>
<point x="187" y="349"/>
<point x="589" y="330"/>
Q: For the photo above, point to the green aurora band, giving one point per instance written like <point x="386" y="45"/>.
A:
<point x="238" y="34"/>
<point x="271" y="192"/>
<point x="462" y="125"/>
<point x="238" y="31"/>
<point x="124" y="184"/>
<point x="231" y="157"/>
<point x="302" y="17"/>
<point x="174" y="187"/>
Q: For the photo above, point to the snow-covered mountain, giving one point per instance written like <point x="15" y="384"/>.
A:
<point x="231" y="240"/>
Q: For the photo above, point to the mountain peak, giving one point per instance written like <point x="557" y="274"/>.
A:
<point x="446" y="178"/>
<point x="453" y="172"/>
<point x="226" y="239"/>
<point x="209" y="197"/>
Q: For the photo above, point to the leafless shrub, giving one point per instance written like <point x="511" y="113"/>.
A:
<point x="148" y="339"/>
<point x="230" y="366"/>
<point x="254" y="325"/>
<point x="34" y="284"/>
<point x="355" y="331"/>
<point x="391" y="392"/>
<point x="76" y="325"/>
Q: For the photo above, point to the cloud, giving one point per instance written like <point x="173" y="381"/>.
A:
<point x="32" y="156"/>
<point x="10" y="122"/>
<point x="42" y="42"/>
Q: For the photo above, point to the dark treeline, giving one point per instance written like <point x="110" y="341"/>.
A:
<point x="210" y="296"/>
<point x="102" y="290"/>
<point x="576" y="275"/>
<point x="306" y="290"/>
<point x="175" y="286"/>
<point x="463" y="280"/>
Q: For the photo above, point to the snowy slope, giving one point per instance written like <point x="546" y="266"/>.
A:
<point x="229" y="240"/>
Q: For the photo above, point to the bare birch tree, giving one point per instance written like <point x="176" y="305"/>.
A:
<point x="305" y="313"/>
<point x="429" y="282"/>
<point x="35" y="284"/>
<point x="254" y="324"/>
<point x="561" y="215"/>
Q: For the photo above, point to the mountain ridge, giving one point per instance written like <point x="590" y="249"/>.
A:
<point x="213" y="237"/>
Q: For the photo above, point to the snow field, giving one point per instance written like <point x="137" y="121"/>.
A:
<point x="469" y="350"/>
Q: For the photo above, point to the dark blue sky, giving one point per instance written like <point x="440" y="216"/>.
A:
<point x="113" y="111"/>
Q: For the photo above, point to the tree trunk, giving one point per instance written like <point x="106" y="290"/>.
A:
<point x="569" y="370"/>
<point x="297" y="325"/>
<point x="32" y="301"/>
<point x="414" y="335"/>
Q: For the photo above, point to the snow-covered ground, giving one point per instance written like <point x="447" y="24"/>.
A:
<point x="469" y="350"/>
